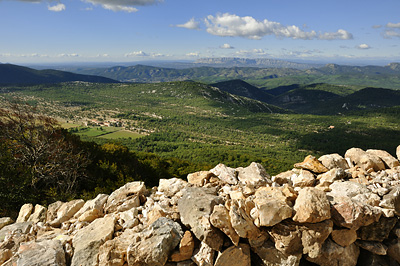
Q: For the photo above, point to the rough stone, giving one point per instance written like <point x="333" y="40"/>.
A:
<point x="24" y="213"/>
<point x="5" y="221"/>
<point x="334" y="160"/>
<point x="373" y="247"/>
<point x="171" y="186"/>
<point x="186" y="247"/>
<point x="89" y="215"/>
<point x="126" y="197"/>
<point x="23" y="228"/>
<point x="204" y="256"/>
<point x="113" y="252"/>
<point x="234" y="256"/>
<point x="153" y="246"/>
<point x="287" y="238"/>
<point x="304" y="179"/>
<point x="88" y="240"/>
<point x="392" y="200"/>
<point x="241" y="220"/>
<point x="377" y="231"/>
<point x="284" y="177"/>
<point x="272" y="205"/>
<point x="39" y="214"/>
<point x="253" y="175"/>
<point x="371" y="259"/>
<point x="52" y="210"/>
<point x="311" y="206"/>
<point x="347" y="189"/>
<point x="44" y="253"/>
<point x="220" y="219"/>
<point x="333" y="254"/>
<point x="195" y="208"/>
<point x="96" y="203"/>
<point x="386" y="157"/>
<point x="344" y="237"/>
<point x="314" y="235"/>
<point x="394" y="250"/>
<point x="199" y="178"/>
<point x="398" y="152"/>
<point x="353" y="214"/>
<point x="67" y="211"/>
<point x="270" y="256"/>
<point x="366" y="161"/>
<point x="312" y="164"/>
<point x="225" y="174"/>
<point x="334" y="174"/>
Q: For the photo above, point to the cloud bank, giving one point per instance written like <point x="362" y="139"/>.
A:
<point x="191" y="25"/>
<point x="230" y="25"/>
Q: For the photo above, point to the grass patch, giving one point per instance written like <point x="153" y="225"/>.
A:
<point x="121" y="134"/>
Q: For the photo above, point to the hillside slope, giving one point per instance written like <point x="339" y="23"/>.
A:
<point x="14" y="74"/>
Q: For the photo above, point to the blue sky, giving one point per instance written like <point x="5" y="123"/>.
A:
<point x="351" y="31"/>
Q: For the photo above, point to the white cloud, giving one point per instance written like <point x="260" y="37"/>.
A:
<point x="393" y="25"/>
<point x="363" y="46"/>
<point x="57" y="8"/>
<point x="391" y="33"/>
<point x="226" y="46"/>
<point x="250" y="53"/>
<point x="339" y="35"/>
<point x="377" y="26"/>
<point x="143" y="54"/>
<point x="194" y="54"/>
<point x="230" y="25"/>
<point x="191" y="25"/>
<point x="68" y="55"/>
<point x="122" y="5"/>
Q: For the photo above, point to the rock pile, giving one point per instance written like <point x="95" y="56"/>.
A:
<point x="326" y="211"/>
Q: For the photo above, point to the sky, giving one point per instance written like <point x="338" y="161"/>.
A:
<point x="331" y="31"/>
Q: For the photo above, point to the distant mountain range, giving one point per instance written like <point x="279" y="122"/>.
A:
<point x="14" y="74"/>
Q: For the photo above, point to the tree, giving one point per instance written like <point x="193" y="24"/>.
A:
<point x="40" y="160"/>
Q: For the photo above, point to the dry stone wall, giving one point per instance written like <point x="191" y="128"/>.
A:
<point x="328" y="211"/>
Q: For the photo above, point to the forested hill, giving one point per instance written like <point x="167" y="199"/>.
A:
<point x="14" y="74"/>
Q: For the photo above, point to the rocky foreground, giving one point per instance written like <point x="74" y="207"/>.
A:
<point x="326" y="211"/>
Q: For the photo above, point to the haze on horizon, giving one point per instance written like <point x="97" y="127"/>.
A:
<point x="45" y="31"/>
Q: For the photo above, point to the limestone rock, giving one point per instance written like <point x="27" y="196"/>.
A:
<point x="24" y="213"/>
<point x="353" y="214"/>
<point x="39" y="214"/>
<point x="113" y="252"/>
<point x="253" y="175"/>
<point x="398" y="152"/>
<point x="199" y="178"/>
<point x="272" y="205"/>
<point x="334" y="174"/>
<point x="52" y="210"/>
<point x="334" y="160"/>
<point x="304" y="179"/>
<point x="312" y="164"/>
<point x="186" y="247"/>
<point x="371" y="259"/>
<point x="314" y="235"/>
<point x="23" y="228"/>
<point x="126" y="197"/>
<point x="347" y="189"/>
<point x="366" y="161"/>
<point x="44" y="253"/>
<point x="234" y="256"/>
<point x="88" y="240"/>
<point x="344" y="237"/>
<point x="195" y="208"/>
<point x="220" y="219"/>
<point x="377" y="231"/>
<point x="5" y="221"/>
<point x="284" y="177"/>
<point x="67" y="211"/>
<point x="89" y="215"/>
<point x="96" y="203"/>
<point x="332" y="255"/>
<point x="152" y="246"/>
<point x="270" y="256"/>
<point x="392" y="200"/>
<point x="373" y="247"/>
<point x="312" y="206"/>
<point x="287" y="238"/>
<point x="171" y="186"/>
<point x="241" y="220"/>
<point x="225" y="174"/>
<point x="204" y="256"/>
<point x="386" y="157"/>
